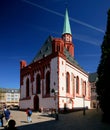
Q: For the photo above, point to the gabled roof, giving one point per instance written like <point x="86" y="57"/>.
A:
<point x="66" y="27"/>
<point x="46" y="50"/>
<point x="72" y="60"/>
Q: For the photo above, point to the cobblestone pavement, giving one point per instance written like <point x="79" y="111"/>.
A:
<point x="72" y="121"/>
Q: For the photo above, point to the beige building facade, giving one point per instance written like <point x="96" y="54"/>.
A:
<point x="9" y="97"/>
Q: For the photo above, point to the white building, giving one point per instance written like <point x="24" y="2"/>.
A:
<point x="9" y="97"/>
<point x="54" y="68"/>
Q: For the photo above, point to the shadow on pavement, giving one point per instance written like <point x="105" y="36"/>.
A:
<point x="48" y="125"/>
<point x="23" y="121"/>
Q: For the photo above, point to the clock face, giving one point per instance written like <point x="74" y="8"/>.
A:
<point x="68" y="38"/>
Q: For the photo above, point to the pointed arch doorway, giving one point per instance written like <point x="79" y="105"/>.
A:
<point x="36" y="103"/>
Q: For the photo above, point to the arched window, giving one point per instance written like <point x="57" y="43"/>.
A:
<point x="77" y="85"/>
<point x="38" y="91"/>
<point x="73" y="84"/>
<point x="48" y="83"/>
<point x="58" y="47"/>
<point x="27" y="87"/>
<point x="84" y="87"/>
<point x="67" y="82"/>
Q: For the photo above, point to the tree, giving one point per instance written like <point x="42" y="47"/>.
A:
<point x="103" y="71"/>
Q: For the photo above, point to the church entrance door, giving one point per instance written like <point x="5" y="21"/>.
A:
<point x="36" y="103"/>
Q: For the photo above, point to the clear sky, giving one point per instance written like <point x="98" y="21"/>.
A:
<point x="26" y="24"/>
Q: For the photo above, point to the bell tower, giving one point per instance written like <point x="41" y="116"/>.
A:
<point x="67" y="35"/>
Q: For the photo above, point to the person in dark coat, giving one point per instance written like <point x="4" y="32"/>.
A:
<point x="7" y="114"/>
<point x="1" y="117"/>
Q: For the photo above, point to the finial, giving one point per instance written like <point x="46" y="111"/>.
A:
<point x="66" y="3"/>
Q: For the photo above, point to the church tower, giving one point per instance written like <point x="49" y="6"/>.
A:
<point x="67" y="35"/>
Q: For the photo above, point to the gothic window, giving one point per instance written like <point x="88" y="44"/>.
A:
<point x="27" y="87"/>
<point x="73" y="84"/>
<point x="38" y="91"/>
<point x="89" y="91"/>
<point x="48" y="83"/>
<point x="67" y="82"/>
<point x="77" y="85"/>
<point x="84" y="84"/>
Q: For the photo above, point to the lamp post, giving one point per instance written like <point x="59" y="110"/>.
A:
<point x="84" y="111"/>
<point x="56" y="103"/>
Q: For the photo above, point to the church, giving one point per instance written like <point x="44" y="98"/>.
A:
<point x="54" y="78"/>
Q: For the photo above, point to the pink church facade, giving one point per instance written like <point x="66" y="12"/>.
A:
<point x="54" y="67"/>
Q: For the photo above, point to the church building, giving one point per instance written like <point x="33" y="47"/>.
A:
<point x="54" y="78"/>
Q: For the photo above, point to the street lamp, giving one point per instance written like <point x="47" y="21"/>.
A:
<point x="84" y="111"/>
<point x="56" y="102"/>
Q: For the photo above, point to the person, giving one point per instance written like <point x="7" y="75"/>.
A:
<point x="29" y="113"/>
<point x="11" y="125"/>
<point x="6" y="114"/>
<point x="1" y="118"/>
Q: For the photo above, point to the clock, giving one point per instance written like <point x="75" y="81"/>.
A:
<point x="68" y="38"/>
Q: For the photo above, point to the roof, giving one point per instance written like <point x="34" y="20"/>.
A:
<point x="72" y="60"/>
<point x="9" y="90"/>
<point x="66" y="27"/>
<point x="46" y="50"/>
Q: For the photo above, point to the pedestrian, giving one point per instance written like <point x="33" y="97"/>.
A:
<point x="1" y="118"/>
<point x="6" y="114"/>
<point x="11" y="125"/>
<point x="29" y="114"/>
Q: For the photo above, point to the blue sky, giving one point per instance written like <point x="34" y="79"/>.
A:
<point x="26" y="24"/>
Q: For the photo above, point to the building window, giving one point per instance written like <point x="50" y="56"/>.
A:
<point x="48" y="83"/>
<point x="58" y="47"/>
<point x="38" y="84"/>
<point x="27" y="87"/>
<point x="84" y="88"/>
<point x="73" y="84"/>
<point x="67" y="82"/>
<point x="77" y="85"/>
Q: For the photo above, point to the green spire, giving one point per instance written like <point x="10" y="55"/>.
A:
<point x="66" y="28"/>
